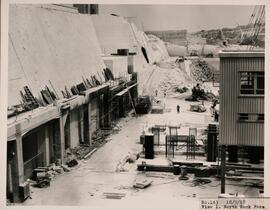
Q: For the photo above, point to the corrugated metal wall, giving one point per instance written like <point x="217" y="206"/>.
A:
<point x="233" y="132"/>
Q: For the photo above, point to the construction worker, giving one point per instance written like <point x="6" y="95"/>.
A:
<point x="213" y="107"/>
<point x="178" y="109"/>
<point x="216" y="116"/>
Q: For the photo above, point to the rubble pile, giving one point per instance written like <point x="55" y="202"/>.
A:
<point x="201" y="71"/>
<point x="42" y="176"/>
<point x="174" y="81"/>
<point x="78" y="152"/>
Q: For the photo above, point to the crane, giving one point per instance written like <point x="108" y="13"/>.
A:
<point x="256" y="25"/>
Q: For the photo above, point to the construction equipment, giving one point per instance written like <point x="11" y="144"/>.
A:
<point x="43" y="179"/>
<point x="197" y="108"/>
<point x="256" y="24"/>
<point x="144" y="105"/>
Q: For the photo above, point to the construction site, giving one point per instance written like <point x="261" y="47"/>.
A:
<point x="101" y="112"/>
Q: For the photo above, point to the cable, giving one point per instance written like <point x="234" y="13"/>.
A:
<point x="13" y="46"/>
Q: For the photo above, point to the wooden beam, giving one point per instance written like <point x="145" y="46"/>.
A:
<point x="246" y="177"/>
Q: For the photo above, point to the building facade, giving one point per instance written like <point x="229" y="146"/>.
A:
<point x="242" y="99"/>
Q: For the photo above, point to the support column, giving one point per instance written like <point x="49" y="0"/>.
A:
<point x="18" y="167"/>
<point x="223" y="167"/>
<point x="47" y="146"/>
<point x="19" y="151"/>
<point x="89" y="122"/>
<point x="62" y="138"/>
<point x="81" y="116"/>
<point x="107" y="109"/>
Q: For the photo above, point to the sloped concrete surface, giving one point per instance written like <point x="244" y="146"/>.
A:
<point x="49" y="44"/>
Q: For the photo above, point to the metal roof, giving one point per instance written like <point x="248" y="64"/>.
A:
<point x="241" y="54"/>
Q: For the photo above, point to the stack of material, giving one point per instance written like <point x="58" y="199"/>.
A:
<point x="108" y="74"/>
<point x="28" y="100"/>
<point x="114" y="195"/>
<point x="42" y="177"/>
<point x="142" y="184"/>
<point x="48" y="95"/>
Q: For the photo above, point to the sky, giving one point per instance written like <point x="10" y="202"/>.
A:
<point x="190" y="17"/>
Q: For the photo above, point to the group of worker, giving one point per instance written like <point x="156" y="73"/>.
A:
<point x="164" y="94"/>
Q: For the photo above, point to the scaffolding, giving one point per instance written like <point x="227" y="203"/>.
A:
<point x="171" y="141"/>
<point x="191" y="143"/>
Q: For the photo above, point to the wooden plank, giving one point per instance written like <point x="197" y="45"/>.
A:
<point x="245" y="177"/>
<point x="239" y="167"/>
<point x="181" y="163"/>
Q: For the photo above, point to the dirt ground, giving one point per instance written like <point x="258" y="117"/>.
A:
<point x="86" y="183"/>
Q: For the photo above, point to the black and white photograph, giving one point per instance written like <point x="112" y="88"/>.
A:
<point x="125" y="105"/>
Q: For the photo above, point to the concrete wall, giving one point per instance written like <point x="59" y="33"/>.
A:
<point x="117" y="64"/>
<point x="114" y="33"/>
<point x="47" y="43"/>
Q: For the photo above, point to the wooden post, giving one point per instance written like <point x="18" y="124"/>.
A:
<point x="223" y="167"/>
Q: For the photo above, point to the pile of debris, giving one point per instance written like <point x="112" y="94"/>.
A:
<point x="201" y="71"/>
<point x="78" y="152"/>
<point x="100" y="135"/>
<point x="43" y="175"/>
<point x="130" y="158"/>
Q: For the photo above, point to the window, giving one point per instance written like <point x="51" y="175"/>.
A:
<point x="252" y="83"/>
<point x="260" y="117"/>
<point x="250" y="117"/>
<point x="243" y="116"/>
